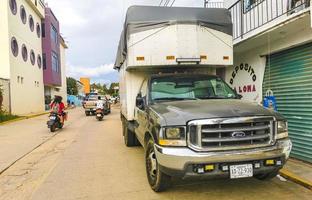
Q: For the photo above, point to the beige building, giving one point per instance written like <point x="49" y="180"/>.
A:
<point x="21" y="54"/>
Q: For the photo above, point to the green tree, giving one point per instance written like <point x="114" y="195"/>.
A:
<point x="72" y="88"/>
<point x="112" y="90"/>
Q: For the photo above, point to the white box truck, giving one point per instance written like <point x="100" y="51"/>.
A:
<point x="189" y="121"/>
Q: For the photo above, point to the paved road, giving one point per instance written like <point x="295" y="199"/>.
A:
<point x="87" y="160"/>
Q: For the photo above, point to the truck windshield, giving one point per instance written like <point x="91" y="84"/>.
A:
<point x="188" y="88"/>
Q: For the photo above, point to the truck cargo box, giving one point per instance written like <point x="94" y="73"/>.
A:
<point x="161" y="36"/>
<point x="162" y="39"/>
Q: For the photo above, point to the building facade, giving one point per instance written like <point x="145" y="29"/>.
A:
<point x="21" y="54"/>
<point x="86" y="83"/>
<point x="52" y="70"/>
<point x="273" y="54"/>
<point x="32" y="56"/>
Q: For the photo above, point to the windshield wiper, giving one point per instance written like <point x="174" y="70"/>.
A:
<point x="173" y="99"/>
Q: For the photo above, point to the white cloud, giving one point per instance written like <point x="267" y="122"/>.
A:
<point x="96" y="72"/>
<point x="92" y="29"/>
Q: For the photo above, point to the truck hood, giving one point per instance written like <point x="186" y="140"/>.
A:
<point x="181" y="112"/>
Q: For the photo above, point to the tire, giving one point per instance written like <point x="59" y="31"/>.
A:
<point x="268" y="176"/>
<point x="52" y="128"/>
<point x="129" y="137"/>
<point x="87" y="113"/>
<point x="157" y="179"/>
<point x="61" y="126"/>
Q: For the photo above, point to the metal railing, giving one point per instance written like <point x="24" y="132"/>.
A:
<point x="219" y="4"/>
<point x="247" y="16"/>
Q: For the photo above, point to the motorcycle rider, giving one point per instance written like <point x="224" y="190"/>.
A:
<point x="100" y="103"/>
<point x="58" y="106"/>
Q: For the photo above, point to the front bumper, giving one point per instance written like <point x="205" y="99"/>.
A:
<point x="180" y="161"/>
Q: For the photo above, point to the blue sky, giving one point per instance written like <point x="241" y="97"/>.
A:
<point x="92" y="29"/>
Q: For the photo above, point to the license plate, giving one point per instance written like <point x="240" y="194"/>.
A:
<point x="241" y="171"/>
<point x="52" y="118"/>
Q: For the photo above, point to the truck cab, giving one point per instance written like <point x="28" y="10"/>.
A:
<point x="195" y="125"/>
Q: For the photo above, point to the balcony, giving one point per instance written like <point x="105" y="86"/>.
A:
<point x="251" y="17"/>
<point x="214" y="4"/>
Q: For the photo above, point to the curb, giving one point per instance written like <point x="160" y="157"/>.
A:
<point x="293" y="177"/>
<point x="23" y="118"/>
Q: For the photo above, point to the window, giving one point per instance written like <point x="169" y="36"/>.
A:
<point x="190" y="88"/>
<point x="38" y="30"/>
<point x="31" y="23"/>
<point x="250" y="4"/>
<point x="55" y="62"/>
<point x="44" y="61"/>
<point x="23" y="15"/>
<point x="39" y="61"/>
<point x="14" y="46"/>
<point x="54" y="34"/>
<point x="32" y="57"/>
<point x="24" y="53"/>
<point x="43" y="30"/>
<point x="13" y="6"/>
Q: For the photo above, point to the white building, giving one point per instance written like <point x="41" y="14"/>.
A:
<point x="21" y="54"/>
<point x="273" y="51"/>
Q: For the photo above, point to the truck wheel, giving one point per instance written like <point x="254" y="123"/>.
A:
<point x="156" y="178"/>
<point x="268" y="176"/>
<point x="129" y="136"/>
<point x="87" y="113"/>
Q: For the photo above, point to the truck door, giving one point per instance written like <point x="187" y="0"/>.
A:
<point x="141" y="114"/>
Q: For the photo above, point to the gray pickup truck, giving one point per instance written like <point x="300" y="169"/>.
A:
<point x="196" y="126"/>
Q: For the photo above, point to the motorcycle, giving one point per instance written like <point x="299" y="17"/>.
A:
<point x="54" y="122"/>
<point x="99" y="114"/>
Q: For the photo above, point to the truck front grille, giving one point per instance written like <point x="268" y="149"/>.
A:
<point x="231" y="133"/>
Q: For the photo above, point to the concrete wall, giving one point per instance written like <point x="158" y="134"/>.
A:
<point x="253" y="58"/>
<point x="26" y="79"/>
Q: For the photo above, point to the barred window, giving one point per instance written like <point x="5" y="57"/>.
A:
<point x="250" y="4"/>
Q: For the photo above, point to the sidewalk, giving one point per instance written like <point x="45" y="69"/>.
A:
<point x="299" y="172"/>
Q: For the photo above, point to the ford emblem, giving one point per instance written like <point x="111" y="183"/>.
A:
<point x="238" y="134"/>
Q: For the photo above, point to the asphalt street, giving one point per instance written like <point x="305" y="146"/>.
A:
<point x="88" y="160"/>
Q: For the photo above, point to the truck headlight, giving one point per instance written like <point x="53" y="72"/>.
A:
<point x="172" y="136"/>
<point x="282" y="129"/>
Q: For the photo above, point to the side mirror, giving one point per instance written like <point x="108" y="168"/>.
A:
<point x="140" y="103"/>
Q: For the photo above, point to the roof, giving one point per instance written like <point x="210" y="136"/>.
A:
<point x="142" y="18"/>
